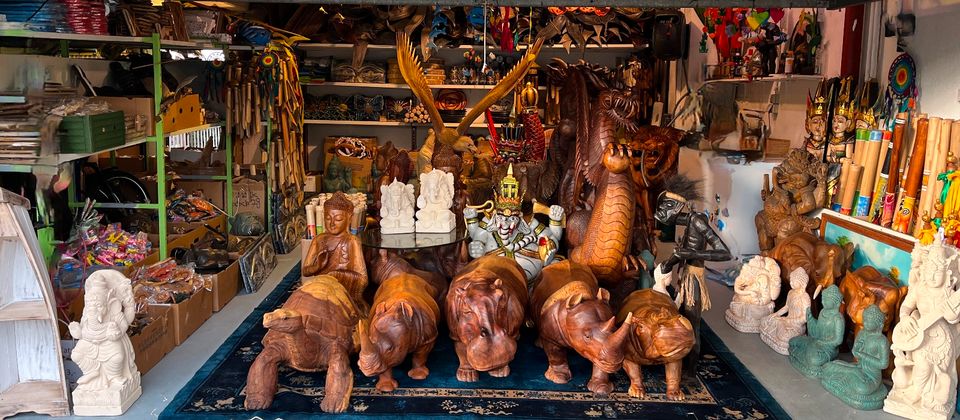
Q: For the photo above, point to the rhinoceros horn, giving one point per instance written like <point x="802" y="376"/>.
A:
<point x="618" y="337"/>
<point x="369" y="357"/>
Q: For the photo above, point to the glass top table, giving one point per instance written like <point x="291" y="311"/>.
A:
<point x="373" y="238"/>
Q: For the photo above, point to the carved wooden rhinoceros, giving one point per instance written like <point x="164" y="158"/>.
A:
<point x="572" y="311"/>
<point x="484" y="310"/>
<point x="314" y="330"/>
<point x="403" y="320"/>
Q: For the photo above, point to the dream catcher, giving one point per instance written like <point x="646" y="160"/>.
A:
<point x="902" y="84"/>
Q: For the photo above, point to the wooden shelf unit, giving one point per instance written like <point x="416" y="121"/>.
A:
<point x="31" y="364"/>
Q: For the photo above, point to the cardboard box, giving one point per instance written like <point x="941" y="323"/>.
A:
<point x="133" y="107"/>
<point x="155" y="340"/>
<point x="226" y="285"/>
<point x="356" y="153"/>
<point x="178" y="241"/>
<point x="183" y="114"/>
<point x="190" y="314"/>
<point x="313" y="183"/>
<point x="250" y="196"/>
<point x="211" y="190"/>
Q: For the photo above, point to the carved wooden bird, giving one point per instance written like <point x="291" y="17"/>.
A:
<point x="412" y="73"/>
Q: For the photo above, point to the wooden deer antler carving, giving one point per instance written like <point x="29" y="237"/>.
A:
<point x="412" y="73"/>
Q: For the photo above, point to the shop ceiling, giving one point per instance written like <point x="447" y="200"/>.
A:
<point x="830" y="4"/>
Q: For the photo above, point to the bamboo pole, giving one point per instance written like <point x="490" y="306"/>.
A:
<point x="869" y="177"/>
<point x="893" y="181"/>
<point x="925" y="199"/>
<point x="850" y="188"/>
<point x="911" y="186"/>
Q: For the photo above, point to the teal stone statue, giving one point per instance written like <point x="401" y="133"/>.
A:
<point x="808" y="353"/>
<point x="860" y="385"/>
<point x="337" y="177"/>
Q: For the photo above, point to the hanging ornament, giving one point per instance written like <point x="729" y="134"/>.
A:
<point x="903" y="76"/>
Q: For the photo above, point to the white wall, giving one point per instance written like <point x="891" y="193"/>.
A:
<point x="935" y="50"/>
<point x="787" y="123"/>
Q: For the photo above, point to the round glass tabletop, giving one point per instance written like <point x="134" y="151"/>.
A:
<point x="373" y="238"/>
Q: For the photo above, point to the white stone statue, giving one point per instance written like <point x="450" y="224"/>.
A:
<point x="661" y="280"/>
<point x="925" y="345"/>
<point x="396" y="208"/>
<point x="110" y="382"/>
<point x="791" y="320"/>
<point x="755" y="289"/>
<point x="434" y="202"/>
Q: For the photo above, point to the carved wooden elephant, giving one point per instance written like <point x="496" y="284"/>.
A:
<point x="824" y="262"/>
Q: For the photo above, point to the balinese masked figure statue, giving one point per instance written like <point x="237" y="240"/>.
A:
<point x="505" y="232"/>
<point x="698" y="244"/>
<point x="841" y="132"/>
<point x="816" y="123"/>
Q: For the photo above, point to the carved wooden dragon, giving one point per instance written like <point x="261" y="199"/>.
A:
<point x="412" y="73"/>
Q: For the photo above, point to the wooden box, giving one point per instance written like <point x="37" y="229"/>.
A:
<point x="226" y="285"/>
<point x="190" y="314"/>
<point x="92" y="133"/>
<point x="155" y="340"/>
<point x="183" y="114"/>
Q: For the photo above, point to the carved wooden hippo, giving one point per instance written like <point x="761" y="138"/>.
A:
<point x="661" y="336"/>
<point x="484" y="310"/>
<point x="864" y="287"/>
<point x="572" y="311"/>
<point x="311" y="332"/>
<point x="403" y="320"/>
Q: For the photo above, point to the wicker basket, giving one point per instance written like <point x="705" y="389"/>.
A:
<point x="434" y="72"/>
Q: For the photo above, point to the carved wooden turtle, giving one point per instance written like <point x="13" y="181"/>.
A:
<point x="314" y="330"/>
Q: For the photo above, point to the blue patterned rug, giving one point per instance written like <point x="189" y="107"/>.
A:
<point x="723" y="388"/>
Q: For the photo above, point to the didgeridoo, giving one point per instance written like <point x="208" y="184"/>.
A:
<point x="893" y="178"/>
<point x="911" y="185"/>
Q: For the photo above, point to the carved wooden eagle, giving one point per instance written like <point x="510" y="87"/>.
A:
<point x="412" y="73"/>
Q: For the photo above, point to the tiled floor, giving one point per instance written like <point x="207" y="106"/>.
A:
<point x="801" y="398"/>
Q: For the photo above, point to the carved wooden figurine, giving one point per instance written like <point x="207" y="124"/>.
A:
<point x="808" y="353"/>
<point x="311" y="332"/>
<point x="826" y="263"/>
<point x="484" y="311"/>
<point x="336" y="252"/>
<point x="661" y="336"/>
<point x="925" y="343"/>
<point x="110" y="381"/>
<point x="790" y="321"/>
<point x="866" y="287"/>
<point x="755" y="289"/>
<point x="860" y="384"/>
<point x="799" y="188"/>
<point x="571" y="311"/>
<point x="403" y="320"/>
